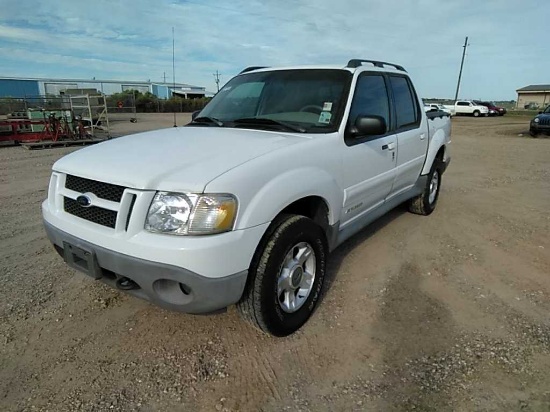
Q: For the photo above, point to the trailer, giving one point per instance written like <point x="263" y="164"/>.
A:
<point x="78" y="119"/>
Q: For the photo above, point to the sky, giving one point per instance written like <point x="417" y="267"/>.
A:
<point x="509" y="40"/>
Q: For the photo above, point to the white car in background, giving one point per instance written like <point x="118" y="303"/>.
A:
<point x="469" y="107"/>
<point x="435" y="106"/>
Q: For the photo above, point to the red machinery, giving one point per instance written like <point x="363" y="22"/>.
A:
<point x="53" y="128"/>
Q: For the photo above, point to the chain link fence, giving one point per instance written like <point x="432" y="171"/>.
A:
<point x="124" y="104"/>
<point x="18" y="107"/>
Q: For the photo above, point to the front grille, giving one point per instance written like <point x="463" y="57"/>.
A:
<point x="103" y="190"/>
<point x="544" y="121"/>
<point x="94" y="214"/>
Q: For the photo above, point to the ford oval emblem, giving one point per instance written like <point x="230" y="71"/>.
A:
<point x="84" y="201"/>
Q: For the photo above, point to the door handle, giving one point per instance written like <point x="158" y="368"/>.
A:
<point x="390" y="146"/>
<point x="422" y="136"/>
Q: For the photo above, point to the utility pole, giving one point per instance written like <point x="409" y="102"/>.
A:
<point x="217" y="80"/>
<point x="164" y="77"/>
<point x="461" y="66"/>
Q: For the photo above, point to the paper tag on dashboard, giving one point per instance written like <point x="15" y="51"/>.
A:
<point x="325" y="117"/>
<point x="327" y="106"/>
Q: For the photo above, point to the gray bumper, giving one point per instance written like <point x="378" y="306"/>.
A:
<point x="538" y="128"/>
<point x="158" y="283"/>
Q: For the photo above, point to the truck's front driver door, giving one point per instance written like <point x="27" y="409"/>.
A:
<point x="368" y="161"/>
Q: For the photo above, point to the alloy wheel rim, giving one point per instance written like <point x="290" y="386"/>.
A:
<point x="434" y="186"/>
<point x="296" y="277"/>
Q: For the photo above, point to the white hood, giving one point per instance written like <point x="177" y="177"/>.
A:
<point x="175" y="159"/>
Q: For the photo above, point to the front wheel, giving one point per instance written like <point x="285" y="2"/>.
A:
<point x="425" y="203"/>
<point x="286" y="276"/>
<point x="476" y="113"/>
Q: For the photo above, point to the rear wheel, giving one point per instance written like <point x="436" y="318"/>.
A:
<point x="286" y="276"/>
<point x="425" y="203"/>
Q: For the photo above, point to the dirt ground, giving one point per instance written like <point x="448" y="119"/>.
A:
<point x="446" y="312"/>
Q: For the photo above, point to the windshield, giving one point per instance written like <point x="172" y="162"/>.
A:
<point x="547" y="110"/>
<point x="311" y="100"/>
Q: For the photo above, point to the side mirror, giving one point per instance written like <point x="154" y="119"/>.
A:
<point x="540" y="111"/>
<point x="195" y="114"/>
<point x="368" y="126"/>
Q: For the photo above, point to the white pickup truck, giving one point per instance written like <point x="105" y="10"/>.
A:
<point x="468" y="107"/>
<point x="243" y="205"/>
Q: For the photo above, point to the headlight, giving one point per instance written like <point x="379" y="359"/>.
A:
<point x="191" y="214"/>
<point x="536" y="120"/>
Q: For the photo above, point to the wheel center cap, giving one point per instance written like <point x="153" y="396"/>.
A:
<point x="296" y="277"/>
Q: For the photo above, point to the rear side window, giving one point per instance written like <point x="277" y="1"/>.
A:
<point x="463" y="104"/>
<point x="370" y="98"/>
<point x="406" y="109"/>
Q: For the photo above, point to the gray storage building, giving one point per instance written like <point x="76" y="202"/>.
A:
<point x="536" y="96"/>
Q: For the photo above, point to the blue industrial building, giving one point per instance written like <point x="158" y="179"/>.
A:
<point x="25" y="87"/>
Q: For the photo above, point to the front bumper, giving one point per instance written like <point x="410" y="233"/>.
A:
<point x="165" y="285"/>
<point x="536" y="128"/>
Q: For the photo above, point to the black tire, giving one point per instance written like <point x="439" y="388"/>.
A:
<point x="421" y="204"/>
<point x="533" y="134"/>
<point x="476" y="113"/>
<point x="260" y="304"/>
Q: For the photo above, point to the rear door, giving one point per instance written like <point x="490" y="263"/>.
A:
<point x="463" y="107"/>
<point x="368" y="162"/>
<point x="412" y="133"/>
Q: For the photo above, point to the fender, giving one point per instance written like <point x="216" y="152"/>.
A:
<point x="289" y="187"/>
<point x="437" y="141"/>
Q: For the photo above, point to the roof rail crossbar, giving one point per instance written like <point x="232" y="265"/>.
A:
<point x="353" y="63"/>
<point x="249" y="69"/>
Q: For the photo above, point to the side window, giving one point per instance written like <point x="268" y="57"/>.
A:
<point x="370" y="98"/>
<point x="462" y="104"/>
<point x="405" y="105"/>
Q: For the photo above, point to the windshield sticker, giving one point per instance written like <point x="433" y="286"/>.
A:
<point x="327" y="106"/>
<point x="325" y="117"/>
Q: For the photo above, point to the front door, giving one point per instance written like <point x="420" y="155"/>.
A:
<point x="368" y="162"/>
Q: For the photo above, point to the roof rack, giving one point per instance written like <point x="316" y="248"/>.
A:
<point x="353" y="63"/>
<point x="249" y="69"/>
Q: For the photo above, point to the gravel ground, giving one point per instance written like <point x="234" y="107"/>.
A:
<point x="446" y="312"/>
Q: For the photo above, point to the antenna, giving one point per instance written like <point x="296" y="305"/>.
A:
<point x="174" y="71"/>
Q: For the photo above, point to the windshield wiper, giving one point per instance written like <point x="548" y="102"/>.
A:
<point x="207" y="119"/>
<point x="255" y="121"/>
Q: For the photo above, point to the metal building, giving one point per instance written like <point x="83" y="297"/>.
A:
<point x="26" y="87"/>
<point x="534" y="97"/>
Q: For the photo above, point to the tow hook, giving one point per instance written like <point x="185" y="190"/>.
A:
<point x="124" y="283"/>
